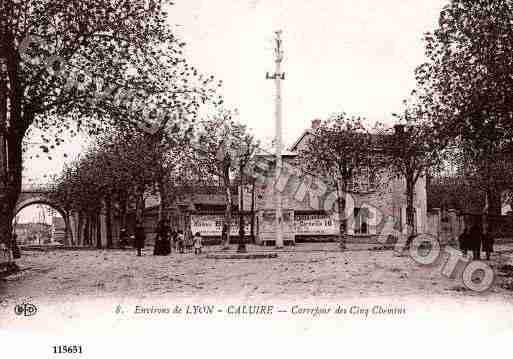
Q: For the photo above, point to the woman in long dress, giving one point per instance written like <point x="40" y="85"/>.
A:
<point x="197" y="243"/>
<point x="140" y="238"/>
<point x="162" y="244"/>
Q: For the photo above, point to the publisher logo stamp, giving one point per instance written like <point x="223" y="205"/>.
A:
<point x="25" y="309"/>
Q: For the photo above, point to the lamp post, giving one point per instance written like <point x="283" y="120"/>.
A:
<point x="278" y="76"/>
<point x="242" y="242"/>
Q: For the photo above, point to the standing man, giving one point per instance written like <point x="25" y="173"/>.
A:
<point x="464" y="239"/>
<point x="224" y="233"/>
<point x="140" y="237"/>
<point x="162" y="244"/>
<point x="475" y="241"/>
<point x="166" y="232"/>
<point x="123" y="238"/>
<point x="488" y="242"/>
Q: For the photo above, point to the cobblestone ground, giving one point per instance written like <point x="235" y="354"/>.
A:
<point x="307" y="271"/>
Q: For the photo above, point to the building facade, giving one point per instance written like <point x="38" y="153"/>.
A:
<point x="309" y="205"/>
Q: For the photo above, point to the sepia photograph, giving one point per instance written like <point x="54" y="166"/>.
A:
<point x="194" y="177"/>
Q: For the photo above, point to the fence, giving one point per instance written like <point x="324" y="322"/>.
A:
<point x="447" y="225"/>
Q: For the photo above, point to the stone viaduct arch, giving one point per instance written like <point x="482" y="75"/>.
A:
<point x="30" y="197"/>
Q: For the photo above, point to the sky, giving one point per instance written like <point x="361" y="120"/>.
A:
<point x="354" y="56"/>
<point x="37" y="214"/>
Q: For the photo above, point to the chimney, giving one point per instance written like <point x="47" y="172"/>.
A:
<point x="399" y="129"/>
<point x="316" y="123"/>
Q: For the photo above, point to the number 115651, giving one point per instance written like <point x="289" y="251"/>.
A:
<point x="67" y="349"/>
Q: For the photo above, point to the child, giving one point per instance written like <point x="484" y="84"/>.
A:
<point x="188" y="241"/>
<point x="180" y="241"/>
<point x="123" y="238"/>
<point x="197" y="243"/>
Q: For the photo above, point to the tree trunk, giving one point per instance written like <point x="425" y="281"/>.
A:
<point x="228" y="210"/>
<point x="139" y="206"/>
<point x="108" y="220"/>
<point x="98" y="220"/>
<point x="80" y="237"/>
<point x="10" y="181"/>
<point x="164" y="200"/>
<point x="410" y="212"/>
<point x="122" y="209"/>
<point x="13" y="124"/>
<point x="8" y="197"/>
<point x="253" y="212"/>
<point x="67" y="237"/>
<point x="491" y="208"/>
<point x="87" y="230"/>
<point x="242" y="240"/>
<point x="342" y="221"/>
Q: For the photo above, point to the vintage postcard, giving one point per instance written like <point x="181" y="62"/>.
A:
<point x="199" y="178"/>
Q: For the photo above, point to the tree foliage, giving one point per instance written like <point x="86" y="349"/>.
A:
<point x="413" y="149"/>
<point x="223" y="147"/>
<point x="87" y="63"/>
<point x="466" y="85"/>
<point x="339" y="151"/>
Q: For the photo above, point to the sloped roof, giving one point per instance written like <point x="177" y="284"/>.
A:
<point x="295" y="145"/>
<point x="376" y="138"/>
<point x="271" y="153"/>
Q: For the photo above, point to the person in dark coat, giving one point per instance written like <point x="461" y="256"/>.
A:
<point x="224" y="233"/>
<point x="157" y="249"/>
<point x="464" y="240"/>
<point x="166" y="235"/>
<point x="488" y="241"/>
<point x="180" y="242"/>
<point x="123" y="238"/>
<point x="140" y="238"/>
<point x="475" y="242"/>
<point x="173" y="236"/>
<point x="162" y="244"/>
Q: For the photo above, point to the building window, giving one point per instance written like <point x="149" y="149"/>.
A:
<point x="364" y="181"/>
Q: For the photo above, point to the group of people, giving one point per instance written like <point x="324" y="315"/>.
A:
<point x="475" y="240"/>
<point x="166" y="240"/>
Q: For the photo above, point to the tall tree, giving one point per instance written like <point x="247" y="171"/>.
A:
<point x="411" y="152"/>
<point x="85" y="61"/>
<point x="338" y="151"/>
<point x="219" y="144"/>
<point x="243" y="157"/>
<point x="467" y="86"/>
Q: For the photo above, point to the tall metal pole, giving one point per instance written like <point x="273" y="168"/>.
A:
<point x="278" y="76"/>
